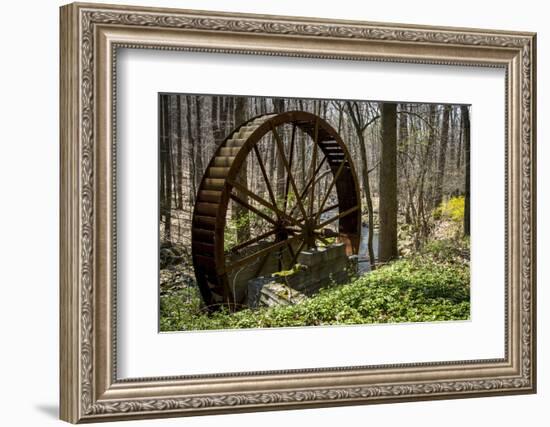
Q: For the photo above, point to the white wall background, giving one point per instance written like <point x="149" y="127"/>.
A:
<point x="29" y="170"/>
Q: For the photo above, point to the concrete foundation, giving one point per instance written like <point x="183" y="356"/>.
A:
<point x="319" y="268"/>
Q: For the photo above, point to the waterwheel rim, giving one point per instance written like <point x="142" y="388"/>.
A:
<point x="293" y="228"/>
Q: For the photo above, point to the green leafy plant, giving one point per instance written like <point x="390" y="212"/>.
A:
<point x="452" y="209"/>
<point x="431" y="286"/>
<point x="285" y="273"/>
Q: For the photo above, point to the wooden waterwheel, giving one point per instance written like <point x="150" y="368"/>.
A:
<point x="291" y="214"/>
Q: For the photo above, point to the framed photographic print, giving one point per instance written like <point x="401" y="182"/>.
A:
<point x="267" y="212"/>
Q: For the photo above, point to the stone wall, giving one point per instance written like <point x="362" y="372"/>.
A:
<point x="318" y="268"/>
<point x="262" y="266"/>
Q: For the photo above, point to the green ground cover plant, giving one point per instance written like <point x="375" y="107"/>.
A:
<point x="433" y="285"/>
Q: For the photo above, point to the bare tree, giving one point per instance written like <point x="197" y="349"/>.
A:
<point x="179" y="155"/>
<point x="466" y="132"/>
<point x="191" y="153"/>
<point x="422" y="223"/>
<point x="166" y="169"/>
<point x="387" y="240"/>
<point x="438" y="193"/>
<point x="198" y="149"/>
<point x="360" y="124"/>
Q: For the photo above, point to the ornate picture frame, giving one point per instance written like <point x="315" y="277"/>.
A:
<point x="90" y="37"/>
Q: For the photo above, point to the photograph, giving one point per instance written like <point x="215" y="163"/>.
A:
<point x="293" y="212"/>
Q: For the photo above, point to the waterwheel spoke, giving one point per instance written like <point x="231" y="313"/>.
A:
<point x="313" y="166"/>
<point x="315" y="177"/>
<point x="281" y="149"/>
<point x="291" y="155"/>
<point x="263" y="202"/>
<point x="331" y="207"/>
<point x="333" y="182"/>
<point x="264" y="173"/>
<point x="253" y="209"/>
<point x="334" y="218"/>
<point x="247" y="259"/>
<point x="254" y="240"/>
<point x="293" y="230"/>
<point x="306" y="187"/>
<point x="328" y="209"/>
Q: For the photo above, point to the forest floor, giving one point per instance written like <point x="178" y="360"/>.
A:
<point x="432" y="285"/>
<point x="177" y="276"/>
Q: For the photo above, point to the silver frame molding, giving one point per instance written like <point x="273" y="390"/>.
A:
<point x="90" y="36"/>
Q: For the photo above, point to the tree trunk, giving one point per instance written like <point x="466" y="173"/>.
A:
<point x="179" y="154"/>
<point x="403" y="145"/>
<point x="368" y="198"/>
<point x="162" y="156"/>
<point x="452" y="138"/>
<point x="191" y="153"/>
<point x="167" y="169"/>
<point x="387" y="238"/>
<point x="438" y="196"/>
<point x="360" y="128"/>
<point x="198" y="149"/>
<point x="466" y="131"/>
<point x="460" y="145"/>
<point x="218" y="129"/>
<point x="426" y="160"/>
